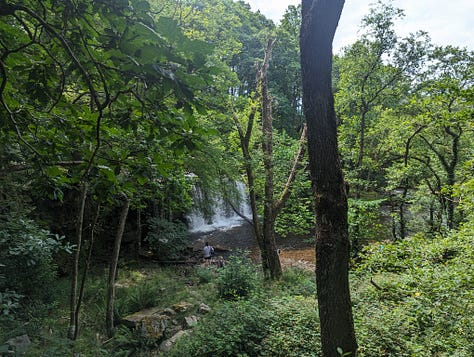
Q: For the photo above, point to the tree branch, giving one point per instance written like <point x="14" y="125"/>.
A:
<point x="291" y="177"/>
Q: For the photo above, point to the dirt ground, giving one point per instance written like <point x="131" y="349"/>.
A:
<point x="294" y="251"/>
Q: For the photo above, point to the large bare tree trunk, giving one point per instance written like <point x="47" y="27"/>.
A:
<point x="269" y="214"/>
<point x="265" y="230"/>
<point x="319" y="22"/>
<point x="109" y="318"/>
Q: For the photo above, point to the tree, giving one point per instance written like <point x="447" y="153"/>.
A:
<point x="284" y="74"/>
<point x="319" y="22"/>
<point x="92" y="91"/>
<point x="374" y="73"/>
<point x="264" y="228"/>
<point x="436" y="129"/>
<point x="109" y="318"/>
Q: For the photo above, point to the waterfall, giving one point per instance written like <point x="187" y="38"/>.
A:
<point x="223" y="216"/>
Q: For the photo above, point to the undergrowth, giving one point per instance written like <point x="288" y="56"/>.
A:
<point x="410" y="298"/>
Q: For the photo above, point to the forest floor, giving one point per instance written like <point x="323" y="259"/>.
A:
<point x="294" y="251"/>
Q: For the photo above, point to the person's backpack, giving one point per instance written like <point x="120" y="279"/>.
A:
<point x="212" y="251"/>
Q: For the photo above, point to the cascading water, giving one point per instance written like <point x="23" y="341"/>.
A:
<point x="223" y="217"/>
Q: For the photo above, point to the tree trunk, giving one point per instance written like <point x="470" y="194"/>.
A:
<point x="86" y="269"/>
<point x="109" y="318"/>
<point x="138" y="242"/>
<point x="269" y="244"/>
<point x="265" y="231"/>
<point x="319" y="22"/>
<point x="73" y="318"/>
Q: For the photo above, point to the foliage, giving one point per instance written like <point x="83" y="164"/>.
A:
<point x="295" y="329"/>
<point x="141" y="289"/>
<point x="129" y="342"/>
<point x="423" y="302"/>
<point x="296" y="281"/>
<point x="423" y="306"/>
<point x="102" y="92"/>
<point x="280" y="326"/>
<point x="285" y="74"/>
<point x="205" y="275"/>
<point x="168" y="240"/>
<point x="26" y="251"/>
<point x="9" y="302"/>
<point x="366" y="223"/>
<point x="237" y="279"/>
<point x="115" y="92"/>
<point x="297" y="215"/>
<point x="238" y="327"/>
<point x="373" y="75"/>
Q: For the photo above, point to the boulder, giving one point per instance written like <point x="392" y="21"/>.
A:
<point x="166" y="345"/>
<point x="154" y="326"/>
<point x="19" y="344"/>
<point x="191" y="320"/>
<point x="204" y="309"/>
<point x="169" y="311"/>
<point x="182" y="306"/>
<point x="151" y="322"/>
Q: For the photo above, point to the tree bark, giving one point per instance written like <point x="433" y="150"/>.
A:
<point x="73" y="316"/>
<point x="109" y="318"/>
<point x="269" y="214"/>
<point x="86" y="269"/>
<point x="319" y="22"/>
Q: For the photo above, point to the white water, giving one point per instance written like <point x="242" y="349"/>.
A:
<point x="224" y="216"/>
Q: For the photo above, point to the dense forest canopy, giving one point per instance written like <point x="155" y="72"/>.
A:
<point x="123" y="108"/>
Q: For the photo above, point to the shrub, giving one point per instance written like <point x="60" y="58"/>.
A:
<point x="27" y="251"/>
<point x="204" y="274"/>
<point x="281" y="326"/>
<point x="423" y="303"/>
<point x="296" y="281"/>
<point x="142" y="297"/>
<point x="9" y="301"/>
<point x="366" y="223"/>
<point x="167" y="239"/>
<point x="294" y="328"/>
<point x="238" y="327"/>
<point x="238" y="278"/>
<point x="129" y="342"/>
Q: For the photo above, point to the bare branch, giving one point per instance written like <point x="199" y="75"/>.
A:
<point x="294" y="170"/>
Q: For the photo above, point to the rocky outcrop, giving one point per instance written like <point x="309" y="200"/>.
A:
<point x="16" y="346"/>
<point x="166" y="325"/>
<point x="151" y="322"/>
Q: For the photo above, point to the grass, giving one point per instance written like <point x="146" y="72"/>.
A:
<point x="138" y="286"/>
<point x="422" y="306"/>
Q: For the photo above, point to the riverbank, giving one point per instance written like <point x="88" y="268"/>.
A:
<point x="294" y="251"/>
